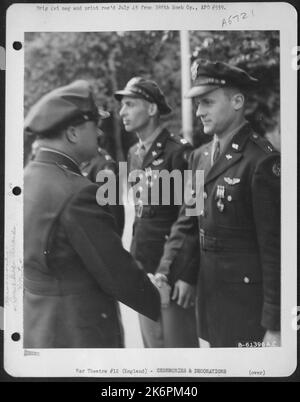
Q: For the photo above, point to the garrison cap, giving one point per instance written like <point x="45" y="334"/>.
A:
<point x="208" y="76"/>
<point x="148" y="90"/>
<point x="62" y="106"/>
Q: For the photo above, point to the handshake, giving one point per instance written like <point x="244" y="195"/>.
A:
<point x="183" y="293"/>
<point x="160" y="281"/>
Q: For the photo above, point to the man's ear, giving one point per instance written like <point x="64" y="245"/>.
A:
<point x="71" y="134"/>
<point x="153" y="109"/>
<point x="238" y="101"/>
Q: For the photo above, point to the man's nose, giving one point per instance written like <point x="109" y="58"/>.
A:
<point x="122" y="111"/>
<point x="200" y="111"/>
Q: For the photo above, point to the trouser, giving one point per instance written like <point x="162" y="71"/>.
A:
<point x="176" y="328"/>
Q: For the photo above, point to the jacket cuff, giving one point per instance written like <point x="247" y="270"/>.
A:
<point x="164" y="268"/>
<point x="271" y="317"/>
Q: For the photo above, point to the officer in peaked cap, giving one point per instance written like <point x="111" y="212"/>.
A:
<point x="139" y="87"/>
<point x="142" y="103"/>
<point x="75" y="268"/>
<point x="238" y="232"/>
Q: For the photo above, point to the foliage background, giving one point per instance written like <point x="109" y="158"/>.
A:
<point x="109" y="59"/>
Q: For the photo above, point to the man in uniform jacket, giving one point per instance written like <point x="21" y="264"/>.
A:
<point x="238" y="231"/>
<point x="142" y="103"/>
<point x="75" y="268"/>
<point x="103" y="162"/>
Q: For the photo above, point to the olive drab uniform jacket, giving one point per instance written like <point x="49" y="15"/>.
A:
<point x="153" y="222"/>
<point x="238" y="236"/>
<point x="104" y="162"/>
<point x="75" y="268"/>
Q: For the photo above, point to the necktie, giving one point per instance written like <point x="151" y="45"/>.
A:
<point x="216" y="152"/>
<point x="141" y="152"/>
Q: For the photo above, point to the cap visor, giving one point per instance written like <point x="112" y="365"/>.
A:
<point x="119" y="94"/>
<point x="201" y="90"/>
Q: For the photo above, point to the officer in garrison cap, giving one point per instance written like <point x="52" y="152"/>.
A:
<point x="238" y="232"/>
<point x="75" y="268"/>
<point x="157" y="150"/>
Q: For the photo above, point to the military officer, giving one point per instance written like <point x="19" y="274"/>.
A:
<point x="238" y="231"/>
<point x="142" y="103"/>
<point x="104" y="162"/>
<point x="75" y="268"/>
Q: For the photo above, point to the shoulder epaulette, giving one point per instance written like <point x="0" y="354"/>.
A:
<point x="178" y="140"/>
<point x="263" y="143"/>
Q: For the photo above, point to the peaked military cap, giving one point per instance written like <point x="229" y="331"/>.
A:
<point x="148" y="90"/>
<point x="208" y="76"/>
<point x="67" y="104"/>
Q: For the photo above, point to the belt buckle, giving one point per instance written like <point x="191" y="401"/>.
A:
<point x="139" y="211"/>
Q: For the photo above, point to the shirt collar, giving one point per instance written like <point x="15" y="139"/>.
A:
<point x="149" y="140"/>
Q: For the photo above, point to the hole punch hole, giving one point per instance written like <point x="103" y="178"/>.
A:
<point x="16" y="336"/>
<point x="16" y="190"/>
<point x="17" y="45"/>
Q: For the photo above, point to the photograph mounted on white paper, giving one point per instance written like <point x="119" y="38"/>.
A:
<point x="146" y="208"/>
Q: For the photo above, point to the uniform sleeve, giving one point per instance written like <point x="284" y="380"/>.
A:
<point x="180" y="259"/>
<point x="93" y="234"/>
<point x="266" y="209"/>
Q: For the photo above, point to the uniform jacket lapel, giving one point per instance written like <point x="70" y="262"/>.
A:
<point x="156" y="149"/>
<point x="231" y="154"/>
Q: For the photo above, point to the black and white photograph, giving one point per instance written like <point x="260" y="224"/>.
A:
<point x="150" y="230"/>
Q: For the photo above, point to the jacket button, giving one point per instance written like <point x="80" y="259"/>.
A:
<point x="246" y="279"/>
<point x="103" y="315"/>
<point x="229" y="198"/>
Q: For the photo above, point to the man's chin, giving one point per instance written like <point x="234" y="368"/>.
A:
<point x="207" y="130"/>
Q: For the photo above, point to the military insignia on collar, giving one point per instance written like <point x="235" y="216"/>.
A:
<point x="183" y="141"/>
<point x="157" y="162"/>
<point x="228" y="157"/>
<point x="235" y="146"/>
<point x="108" y="157"/>
<point x="233" y="181"/>
<point x="276" y="169"/>
<point x="154" y="153"/>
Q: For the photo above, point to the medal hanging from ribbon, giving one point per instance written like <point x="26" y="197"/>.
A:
<point x="220" y="196"/>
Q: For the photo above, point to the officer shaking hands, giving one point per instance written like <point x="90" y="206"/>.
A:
<point x="238" y="231"/>
<point x="75" y="268"/>
<point x="157" y="150"/>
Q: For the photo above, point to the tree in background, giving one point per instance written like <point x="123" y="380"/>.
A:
<point x="109" y="59"/>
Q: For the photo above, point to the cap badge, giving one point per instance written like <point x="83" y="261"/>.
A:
<point x="233" y="181"/>
<point x="183" y="141"/>
<point x="235" y="146"/>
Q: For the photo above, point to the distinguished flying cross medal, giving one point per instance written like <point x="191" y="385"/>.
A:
<point x="220" y="196"/>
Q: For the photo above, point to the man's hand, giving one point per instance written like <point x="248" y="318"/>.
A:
<point x="272" y="338"/>
<point x="160" y="281"/>
<point x="184" y="293"/>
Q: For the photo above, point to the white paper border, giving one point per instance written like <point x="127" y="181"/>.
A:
<point x="68" y="362"/>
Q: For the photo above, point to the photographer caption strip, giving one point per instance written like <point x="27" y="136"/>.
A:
<point x="251" y="360"/>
